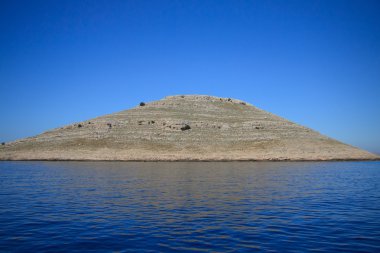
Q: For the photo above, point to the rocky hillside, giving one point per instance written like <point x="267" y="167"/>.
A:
<point x="187" y="127"/>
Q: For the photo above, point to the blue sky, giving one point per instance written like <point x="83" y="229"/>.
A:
<point x="316" y="63"/>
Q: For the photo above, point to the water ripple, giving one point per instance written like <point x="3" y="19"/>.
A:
<point x="188" y="207"/>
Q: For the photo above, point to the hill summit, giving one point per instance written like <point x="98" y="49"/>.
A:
<point x="183" y="127"/>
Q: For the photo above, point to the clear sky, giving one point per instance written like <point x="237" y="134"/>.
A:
<point x="316" y="63"/>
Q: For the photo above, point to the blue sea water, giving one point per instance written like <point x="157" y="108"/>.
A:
<point x="186" y="207"/>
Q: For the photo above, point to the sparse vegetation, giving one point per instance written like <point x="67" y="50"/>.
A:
<point x="79" y="125"/>
<point x="142" y="104"/>
<point x="3" y="143"/>
<point x="109" y="125"/>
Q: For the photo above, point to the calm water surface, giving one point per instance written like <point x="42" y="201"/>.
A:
<point x="184" y="207"/>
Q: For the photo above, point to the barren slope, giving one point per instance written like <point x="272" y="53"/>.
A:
<point x="183" y="128"/>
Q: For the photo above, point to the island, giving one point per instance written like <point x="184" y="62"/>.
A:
<point x="184" y="128"/>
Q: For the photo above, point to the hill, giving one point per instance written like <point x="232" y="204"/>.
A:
<point x="190" y="127"/>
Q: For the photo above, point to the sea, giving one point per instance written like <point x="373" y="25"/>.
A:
<point x="190" y="206"/>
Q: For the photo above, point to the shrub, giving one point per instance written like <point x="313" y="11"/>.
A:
<point x="142" y="104"/>
<point x="185" y="127"/>
<point x="3" y="143"/>
<point x="79" y="125"/>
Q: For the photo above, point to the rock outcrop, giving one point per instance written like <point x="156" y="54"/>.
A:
<point x="190" y="127"/>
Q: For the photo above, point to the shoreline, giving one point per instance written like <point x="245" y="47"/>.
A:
<point x="193" y="160"/>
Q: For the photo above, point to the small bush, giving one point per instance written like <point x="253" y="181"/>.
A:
<point x="79" y="125"/>
<point x="142" y="104"/>
<point x="3" y="143"/>
<point x="185" y="127"/>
